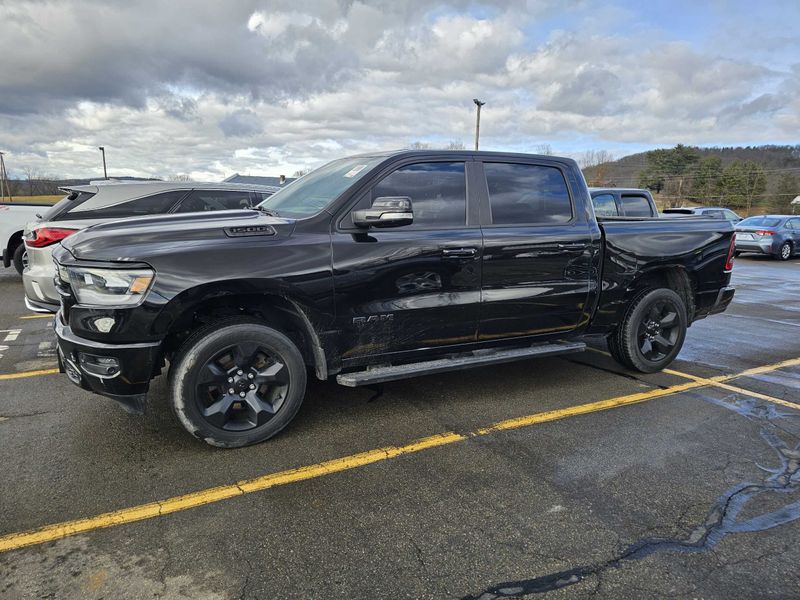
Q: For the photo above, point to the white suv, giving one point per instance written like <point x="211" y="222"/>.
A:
<point x="88" y="205"/>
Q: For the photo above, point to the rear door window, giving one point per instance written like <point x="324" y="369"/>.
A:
<point x="524" y="194"/>
<point x="205" y="200"/>
<point x="636" y="205"/>
<point x="148" y="205"/>
<point x="714" y="214"/>
<point x="605" y="205"/>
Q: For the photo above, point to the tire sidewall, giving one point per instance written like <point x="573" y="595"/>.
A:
<point x="631" y="327"/>
<point x="780" y="251"/>
<point x="203" y="347"/>
<point x="19" y="251"/>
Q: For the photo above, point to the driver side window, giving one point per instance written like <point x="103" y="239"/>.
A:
<point x="438" y="192"/>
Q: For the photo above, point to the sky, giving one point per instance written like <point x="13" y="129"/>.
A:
<point x="206" y="89"/>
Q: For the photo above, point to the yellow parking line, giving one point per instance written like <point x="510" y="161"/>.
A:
<point x="22" y="374"/>
<point x="582" y="409"/>
<point x="26" y="317"/>
<point x="150" y="510"/>
<point x="718" y="382"/>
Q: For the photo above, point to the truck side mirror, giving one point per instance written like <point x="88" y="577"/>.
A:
<point x="387" y="211"/>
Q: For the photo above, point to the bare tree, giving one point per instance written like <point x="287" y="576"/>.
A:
<point x="594" y="158"/>
<point x="545" y="149"/>
<point x="301" y="172"/>
<point x="419" y="146"/>
<point x="455" y="145"/>
<point x="37" y="183"/>
<point x="180" y="177"/>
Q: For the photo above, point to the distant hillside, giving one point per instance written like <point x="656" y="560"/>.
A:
<point x="42" y="185"/>
<point x="750" y="178"/>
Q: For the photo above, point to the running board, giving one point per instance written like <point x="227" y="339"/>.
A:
<point x="477" y="358"/>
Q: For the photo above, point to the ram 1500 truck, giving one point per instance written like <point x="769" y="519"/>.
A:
<point x="374" y="268"/>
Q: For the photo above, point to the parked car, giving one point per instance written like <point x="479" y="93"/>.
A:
<point x="714" y="212"/>
<point x="776" y="235"/>
<point x="623" y="202"/>
<point x="13" y="218"/>
<point x="374" y="268"/>
<point x="88" y="205"/>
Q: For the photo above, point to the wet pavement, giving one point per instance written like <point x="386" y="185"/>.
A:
<point x="689" y="494"/>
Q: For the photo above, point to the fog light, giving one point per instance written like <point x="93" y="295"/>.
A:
<point x="104" y="324"/>
<point x="99" y="366"/>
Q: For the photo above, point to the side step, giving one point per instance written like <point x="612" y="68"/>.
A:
<point x="477" y="358"/>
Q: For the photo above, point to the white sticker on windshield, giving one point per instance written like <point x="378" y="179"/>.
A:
<point x="355" y="171"/>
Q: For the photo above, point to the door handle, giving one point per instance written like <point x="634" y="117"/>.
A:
<point x="577" y="246"/>
<point x="459" y="252"/>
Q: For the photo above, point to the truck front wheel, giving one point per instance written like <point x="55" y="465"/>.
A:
<point x="652" y="332"/>
<point x="237" y="383"/>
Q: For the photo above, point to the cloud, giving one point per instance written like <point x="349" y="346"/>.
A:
<point x="252" y="86"/>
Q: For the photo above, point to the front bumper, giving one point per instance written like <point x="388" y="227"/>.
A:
<point x="127" y="382"/>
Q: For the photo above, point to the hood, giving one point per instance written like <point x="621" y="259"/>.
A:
<point x="139" y="238"/>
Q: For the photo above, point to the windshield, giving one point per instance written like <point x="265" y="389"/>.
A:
<point x="758" y="222"/>
<point x="313" y="192"/>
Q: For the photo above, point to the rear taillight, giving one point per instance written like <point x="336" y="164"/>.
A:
<point x="731" y="250"/>
<point x="765" y="232"/>
<point x="44" y="236"/>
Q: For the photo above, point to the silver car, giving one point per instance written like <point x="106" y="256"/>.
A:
<point x="88" y="205"/>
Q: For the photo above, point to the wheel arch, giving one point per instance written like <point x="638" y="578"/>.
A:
<point x="13" y="242"/>
<point x="673" y="277"/>
<point x="208" y="303"/>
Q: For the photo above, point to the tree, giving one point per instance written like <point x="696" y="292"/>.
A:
<point x="787" y="189"/>
<point x="183" y="177"/>
<point x="300" y="172"/>
<point x="544" y="149"/>
<point x="455" y="145"/>
<point x="707" y="180"/>
<point x="667" y="170"/>
<point x="742" y="184"/>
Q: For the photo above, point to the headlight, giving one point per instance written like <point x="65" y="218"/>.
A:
<point x="107" y="287"/>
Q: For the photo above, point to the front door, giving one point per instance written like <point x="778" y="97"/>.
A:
<point x="415" y="286"/>
<point x="538" y="252"/>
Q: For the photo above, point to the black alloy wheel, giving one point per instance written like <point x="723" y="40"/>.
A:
<point x="237" y="382"/>
<point x="658" y="331"/>
<point x="241" y="387"/>
<point x="652" y="332"/>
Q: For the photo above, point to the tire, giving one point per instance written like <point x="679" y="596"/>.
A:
<point x="785" y="251"/>
<point x="652" y="332"/>
<point x="249" y="358"/>
<point x="19" y="257"/>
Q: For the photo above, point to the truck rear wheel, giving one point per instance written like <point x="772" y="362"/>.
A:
<point x="237" y="383"/>
<point x="652" y="332"/>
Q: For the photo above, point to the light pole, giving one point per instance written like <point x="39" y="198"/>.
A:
<point x="478" y="103"/>
<point x="103" y="150"/>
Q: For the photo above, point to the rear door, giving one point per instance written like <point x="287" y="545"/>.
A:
<point x="538" y="251"/>
<point x="415" y="286"/>
<point x="793" y="229"/>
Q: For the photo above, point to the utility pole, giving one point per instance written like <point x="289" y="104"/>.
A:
<point x="478" y="103"/>
<point x="103" y="150"/>
<point x="5" y="184"/>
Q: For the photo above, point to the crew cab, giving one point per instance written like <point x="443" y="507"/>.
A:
<point x="13" y="218"/>
<point x="374" y="268"/>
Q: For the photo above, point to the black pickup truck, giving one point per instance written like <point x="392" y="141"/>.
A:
<point x="374" y="268"/>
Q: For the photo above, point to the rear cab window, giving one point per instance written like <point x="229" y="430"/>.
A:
<point x="527" y="194"/>
<point x="636" y="205"/>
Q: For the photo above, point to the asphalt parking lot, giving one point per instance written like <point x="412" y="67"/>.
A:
<point x="566" y="477"/>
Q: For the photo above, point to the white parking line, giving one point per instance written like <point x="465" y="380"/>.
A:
<point x="11" y="334"/>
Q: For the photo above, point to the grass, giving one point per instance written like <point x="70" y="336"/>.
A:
<point x="50" y="199"/>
